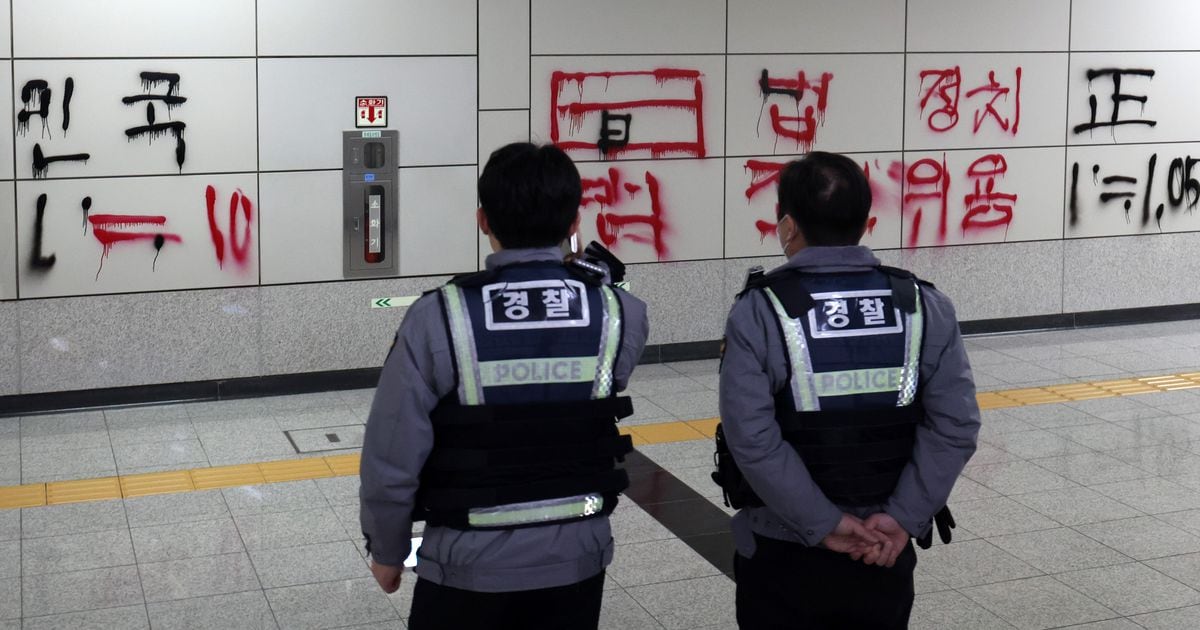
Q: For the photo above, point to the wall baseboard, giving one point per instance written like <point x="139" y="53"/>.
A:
<point x="335" y="380"/>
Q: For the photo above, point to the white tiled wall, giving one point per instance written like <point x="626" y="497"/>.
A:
<point x="269" y="87"/>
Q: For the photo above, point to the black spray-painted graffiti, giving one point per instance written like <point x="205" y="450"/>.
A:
<point x="153" y="129"/>
<point x="1183" y="190"/>
<point x="1118" y="97"/>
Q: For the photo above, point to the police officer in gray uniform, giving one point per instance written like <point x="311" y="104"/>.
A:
<point x="849" y="409"/>
<point x="494" y="419"/>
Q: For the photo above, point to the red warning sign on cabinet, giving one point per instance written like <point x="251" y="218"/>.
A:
<point x="371" y="111"/>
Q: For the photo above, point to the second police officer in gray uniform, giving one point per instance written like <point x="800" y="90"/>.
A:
<point x="849" y="408"/>
<point x="494" y="419"/>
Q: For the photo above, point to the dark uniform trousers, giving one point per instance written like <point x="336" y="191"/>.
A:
<point x="789" y="586"/>
<point x="571" y="607"/>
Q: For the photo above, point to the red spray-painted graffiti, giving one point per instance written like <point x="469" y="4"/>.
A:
<point x="616" y="118"/>
<point x="944" y="87"/>
<point x="239" y="205"/>
<point x="928" y="181"/>
<point x="801" y="128"/>
<point x="611" y="193"/>
<point x="107" y="228"/>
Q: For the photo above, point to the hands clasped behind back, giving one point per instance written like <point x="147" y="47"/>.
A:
<point x="876" y="541"/>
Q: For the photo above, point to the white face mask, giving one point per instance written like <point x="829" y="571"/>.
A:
<point x="783" y="242"/>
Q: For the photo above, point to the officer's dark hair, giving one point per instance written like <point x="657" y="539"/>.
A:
<point x="828" y="197"/>
<point x="530" y="195"/>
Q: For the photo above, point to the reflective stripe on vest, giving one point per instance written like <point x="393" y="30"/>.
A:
<point x="809" y="387"/>
<point x="610" y="337"/>
<point x="914" y="330"/>
<point x="473" y="375"/>
<point x="804" y="392"/>
<point x="516" y="514"/>
<point x="462" y="336"/>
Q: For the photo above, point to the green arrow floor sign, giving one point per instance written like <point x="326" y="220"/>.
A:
<point x="393" y="302"/>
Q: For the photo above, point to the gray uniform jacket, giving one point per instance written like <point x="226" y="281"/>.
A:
<point x="755" y="366"/>
<point x="418" y="372"/>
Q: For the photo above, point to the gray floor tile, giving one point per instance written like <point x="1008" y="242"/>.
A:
<point x="65" y="465"/>
<point x="63" y="432"/>
<point x="1131" y="589"/>
<point x="330" y="604"/>
<point x="646" y="412"/>
<point x="1170" y="619"/>
<point x="702" y="367"/>
<point x="1188" y="521"/>
<point x="1059" y="550"/>
<point x="80" y="590"/>
<point x="316" y="418"/>
<point x="967" y="490"/>
<point x="1016" y="477"/>
<point x="77" y="552"/>
<point x="656" y="387"/>
<point x="186" y="507"/>
<point x="673" y="455"/>
<point x="973" y="563"/>
<point x="122" y="417"/>
<point x="657" y="561"/>
<point x="73" y="518"/>
<point x="1076" y="367"/>
<point x="274" y="497"/>
<point x="1091" y="468"/>
<point x="999" y="422"/>
<point x="275" y="530"/>
<point x="1101" y="406"/>
<point x="987" y="454"/>
<point x="148" y="432"/>
<point x="1152" y="496"/>
<point x="1184" y="568"/>
<point x="358" y="397"/>
<point x="1076" y="506"/>
<point x="1103" y="437"/>
<point x="228" y="409"/>
<point x="1111" y="624"/>
<point x="10" y="598"/>
<point x="694" y="405"/>
<point x="1038" y="603"/>
<point x="10" y="559"/>
<point x="123" y="618"/>
<point x="1142" y="538"/>
<point x="619" y="611"/>
<point x="1160" y="459"/>
<point x="180" y="454"/>
<point x="999" y="516"/>
<point x="247" y="611"/>
<point x="950" y="609"/>
<point x="179" y="541"/>
<point x="688" y="603"/>
<point x="304" y="402"/>
<point x="1165" y="430"/>
<point x="247" y="447"/>
<point x="308" y="564"/>
<point x="340" y="490"/>
<point x="198" y="577"/>
<point x="631" y="524"/>
<point x="1036" y="444"/>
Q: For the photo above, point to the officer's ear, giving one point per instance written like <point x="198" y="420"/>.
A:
<point x="482" y="222"/>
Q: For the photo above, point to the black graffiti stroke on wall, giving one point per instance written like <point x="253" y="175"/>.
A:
<point x="154" y="129"/>
<point x="1118" y="97"/>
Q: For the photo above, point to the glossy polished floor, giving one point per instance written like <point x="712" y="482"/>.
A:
<point x="1080" y="509"/>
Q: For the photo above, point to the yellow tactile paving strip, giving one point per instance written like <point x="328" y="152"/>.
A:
<point x="129" y="486"/>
